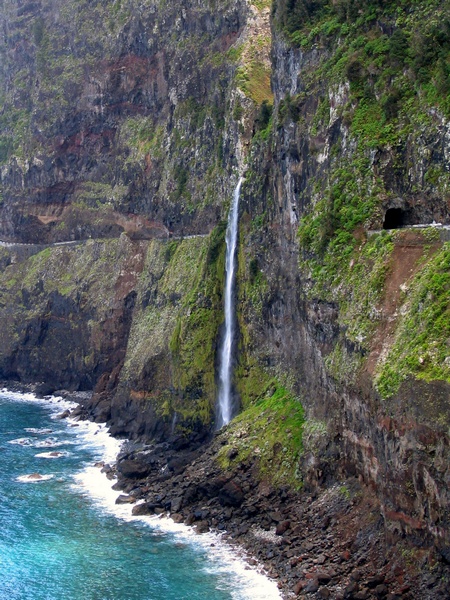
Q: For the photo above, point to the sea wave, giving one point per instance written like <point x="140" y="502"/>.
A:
<point x="53" y="454"/>
<point x="248" y="583"/>
<point x="37" y="431"/>
<point x="56" y="404"/>
<point x="34" y="478"/>
<point x="21" y="442"/>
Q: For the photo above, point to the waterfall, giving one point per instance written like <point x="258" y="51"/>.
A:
<point x="225" y="402"/>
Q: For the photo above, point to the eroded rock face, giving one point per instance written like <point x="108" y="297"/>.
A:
<point x="67" y="312"/>
<point x="119" y="118"/>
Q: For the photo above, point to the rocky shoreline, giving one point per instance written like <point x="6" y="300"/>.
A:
<point x="330" y="543"/>
<point x="325" y="543"/>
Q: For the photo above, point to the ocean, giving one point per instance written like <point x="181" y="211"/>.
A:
<point x="62" y="537"/>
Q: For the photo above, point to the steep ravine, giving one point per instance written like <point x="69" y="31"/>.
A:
<point x="124" y="128"/>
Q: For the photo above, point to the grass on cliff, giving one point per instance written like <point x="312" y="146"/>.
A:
<point x="254" y="70"/>
<point x="389" y="87"/>
<point x="422" y="339"/>
<point x="270" y="431"/>
<point x="193" y="340"/>
<point x="254" y="80"/>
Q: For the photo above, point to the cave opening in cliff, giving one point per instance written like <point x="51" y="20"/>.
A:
<point x="394" y="218"/>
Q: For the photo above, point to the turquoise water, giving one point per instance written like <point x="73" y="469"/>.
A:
<point x="63" y="538"/>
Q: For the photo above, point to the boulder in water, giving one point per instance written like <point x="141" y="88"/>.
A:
<point x="177" y="518"/>
<point x="124" y="499"/>
<point x="202" y="527"/>
<point x="63" y="415"/>
<point x="33" y="477"/>
<point x="146" y="508"/>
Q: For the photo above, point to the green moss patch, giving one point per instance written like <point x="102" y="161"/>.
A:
<point x="254" y="80"/>
<point x="175" y="336"/>
<point x="271" y="431"/>
<point x="193" y="341"/>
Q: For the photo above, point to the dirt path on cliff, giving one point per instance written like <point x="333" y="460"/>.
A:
<point x="405" y="262"/>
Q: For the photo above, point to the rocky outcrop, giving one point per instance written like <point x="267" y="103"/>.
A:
<point x="325" y="310"/>
<point x="80" y="317"/>
<point x="67" y="312"/>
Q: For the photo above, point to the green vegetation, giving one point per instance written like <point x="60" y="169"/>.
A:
<point x="387" y="86"/>
<point x="349" y="201"/>
<point x="344" y="491"/>
<point x="56" y="285"/>
<point x="94" y="195"/>
<point x="184" y="276"/>
<point x="270" y="430"/>
<point x="142" y="137"/>
<point x="14" y="131"/>
<point x="413" y="59"/>
<point x="354" y="277"/>
<point x="253" y="73"/>
<point x="263" y="121"/>
<point x="262" y="4"/>
<point x="193" y="339"/>
<point x="421" y="348"/>
<point x="254" y="80"/>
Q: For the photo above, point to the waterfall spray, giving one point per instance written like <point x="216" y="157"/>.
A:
<point x="225" y="402"/>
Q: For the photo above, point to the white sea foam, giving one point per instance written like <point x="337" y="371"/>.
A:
<point x="33" y="478"/>
<point x="21" y="442"/>
<point x="250" y="583"/>
<point x="55" y="404"/>
<point x="52" y="442"/>
<point x="37" y="431"/>
<point x="48" y="443"/>
<point x="55" y="454"/>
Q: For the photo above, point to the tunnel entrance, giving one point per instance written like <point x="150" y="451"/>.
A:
<point x="394" y="218"/>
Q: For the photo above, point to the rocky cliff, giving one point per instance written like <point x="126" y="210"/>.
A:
<point x="124" y="127"/>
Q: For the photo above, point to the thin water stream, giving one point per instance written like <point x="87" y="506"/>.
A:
<point x="225" y="402"/>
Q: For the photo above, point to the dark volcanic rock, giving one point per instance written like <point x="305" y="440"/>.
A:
<point x="231" y="494"/>
<point x="133" y="469"/>
<point x="124" y="499"/>
<point x="123" y="129"/>
<point x="146" y="508"/>
<point x="202" y="527"/>
<point x="282" y="527"/>
<point x="63" y="415"/>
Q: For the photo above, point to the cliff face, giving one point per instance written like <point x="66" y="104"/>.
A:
<point x="114" y="118"/>
<point x="346" y="311"/>
<point x="127" y="122"/>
